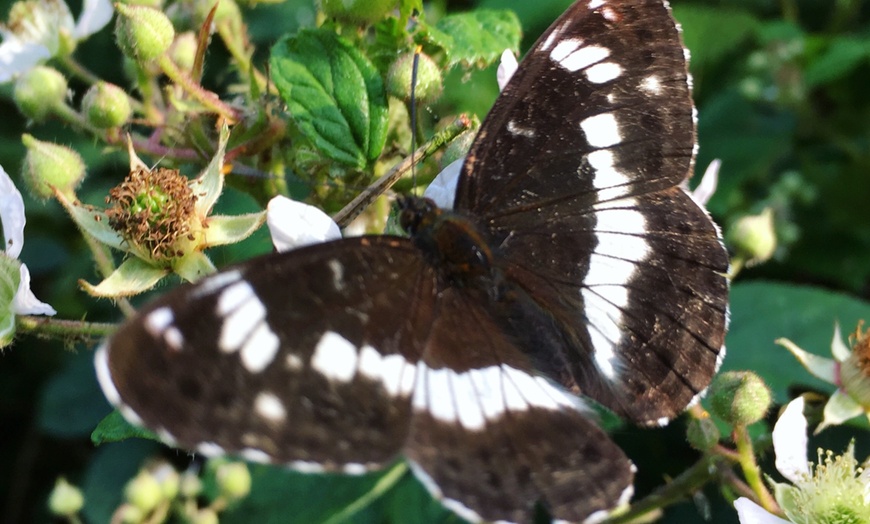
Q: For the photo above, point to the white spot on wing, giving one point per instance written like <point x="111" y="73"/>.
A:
<point x="293" y="362"/>
<point x="601" y="130"/>
<point x="571" y="55"/>
<point x="270" y="407"/>
<point x="211" y="284"/>
<point x="174" y="339"/>
<point x="603" y="72"/>
<point x="240" y="323"/>
<point x="335" y="357"/>
<point x="260" y="348"/>
<point x="104" y="376"/>
<point x="607" y="179"/>
<point x="457" y="507"/>
<point x="595" y="4"/>
<point x="439" y="397"/>
<point x="210" y="449"/>
<point x="306" y="466"/>
<point x="255" y="455"/>
<point x="337" y="274"/>
<point x="158" y="320"/>
<point x="233" y="297"/>
<point x="652" y="85"/>
<point x="354" y="468"/>
<point x="515" y="129"/>
<point x="468" y="408"/>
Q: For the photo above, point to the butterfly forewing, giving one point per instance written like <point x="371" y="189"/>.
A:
<point x="305" y="358"/>
<point x="575" y="175"/>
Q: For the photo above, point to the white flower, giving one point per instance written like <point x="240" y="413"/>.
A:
<point x="294" y="224"/>
<point x="12" y="216"/>
<point x="506" y="68"/>
<point x="40" y="29"/>
<point x="835" y="489"/>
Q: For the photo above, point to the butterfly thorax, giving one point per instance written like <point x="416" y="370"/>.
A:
<point x="449" y="241"/>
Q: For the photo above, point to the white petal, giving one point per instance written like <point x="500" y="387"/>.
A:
<point x="442" y="190"/>
<point x="751" y="513"/>
<point x="506" y="68"/>
<point x="25" y="302"/>
<point x="708" y="184"/>
<point x="17" y="57"/>
<point x="95" y="15"/>
<point x="11" y="214"/>
<point x="838" y="349"/>
<point x="790" y="442"/>
<point x="294" y="224"/>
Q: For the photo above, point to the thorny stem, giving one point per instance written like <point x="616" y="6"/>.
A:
<point x="750" y="468"/>
<point x="63" y="329"/>
<point x="204" y="96"/>
<point x="358" y="204"/>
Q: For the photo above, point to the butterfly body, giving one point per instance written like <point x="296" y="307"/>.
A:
<point x="571" y="263"/>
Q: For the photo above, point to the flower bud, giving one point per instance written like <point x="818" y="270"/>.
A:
<point x="739" y="397"/>
<point x="429" y="81"/>
<point x="143" y="33"/>
<point x="191" y="485"/>
<point x="226" y="10"/>
<point x="156" y="4"/>
<point x="144" y="492"/>
<point x="48" y="165"/>
<point x="358" y="11"/>
<point x="234" y="480"/>
<point x="38" y="91"/>
<point x="65" y="500"/>
<point x="702" y="433"/>
<point x="753" y="237"/>
<point x="183" y="50"/>
<point x="129" y="514"/>
<point x="169" y="480"/>
<point x="205" y="516"/>
<point x="106" y="105"/>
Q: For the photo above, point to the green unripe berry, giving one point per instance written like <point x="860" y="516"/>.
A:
<point x="739" y="397"/>
<point x="428" y="83"/>
<point x="47" y="164"/>
<point x="38" y="91"/>
<point x="143" y="33"/>
<point x="65" y="500"/>
<point x="106" y="105"/>
<point x="144" y="492"/>
<point x="234" y="480"/>
<point x="753" y="237"/>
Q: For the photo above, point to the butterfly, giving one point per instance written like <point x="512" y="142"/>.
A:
<point x="573" y="265"/>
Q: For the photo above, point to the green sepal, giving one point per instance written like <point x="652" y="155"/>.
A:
<point x="132" y="277"/>
<point x="10" y="277"/>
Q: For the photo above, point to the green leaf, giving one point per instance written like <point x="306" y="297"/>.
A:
<point x="335" y="95"/>
<point x="842" y="56"/>
<point x="712" y="33"/>
<point x="115" y="428"/>
<point x="10" y="276"/>
<point x="277" y="493"/>
<point x="71" y="403"/>
<point x="480" y="36"/>
<point x="762" y="312"/>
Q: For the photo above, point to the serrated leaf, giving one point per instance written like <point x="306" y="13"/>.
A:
<point x="334" y="93"/>
<point x="115" y="428"/>
<point x="480" y="36"/>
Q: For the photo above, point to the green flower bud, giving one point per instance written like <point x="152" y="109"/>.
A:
<point x="143" y="33"/>
<point x="106" y="105"/>
<point x="358" y="11"/>
<point x="753" y="237"/>
<point x="226" y="10"/>
<point x="702" y="433"/>
<point x="169" y="479"/>
<point x="183" y="50"/>
<point x="234" y="480"/>
<point x="38" y="91"/>
<point x="156" y="4"/>
<point x="191" y="485"/>
<point x="47" y="165"/>
<point x="429" y="81"/>
<point x="144" y="492"/>
<point x="65" y="500"/>
<point x="129" y="514"/>
<point x="205" y="516"/>
<point x="739" y="397"/>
